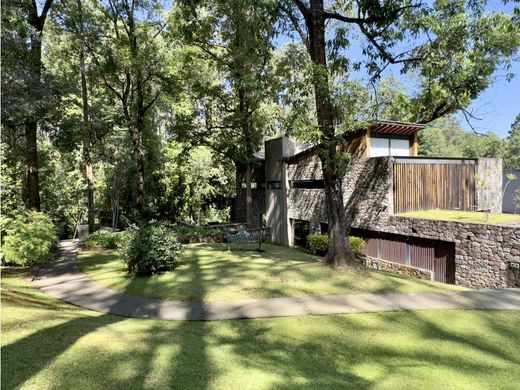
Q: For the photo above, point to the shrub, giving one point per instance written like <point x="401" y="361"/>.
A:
<point x="151" y="249"/>
<point x="357" y="245"/>
<point x="29" y="239"/>
<point x="319" y="244"/>
<point x="104" y="239"/>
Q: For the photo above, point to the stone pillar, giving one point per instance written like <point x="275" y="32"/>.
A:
<point x="488" y="183"/>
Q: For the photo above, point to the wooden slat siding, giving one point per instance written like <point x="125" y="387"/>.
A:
<point x="432" y="255"/>
<point x="433" y="186"/>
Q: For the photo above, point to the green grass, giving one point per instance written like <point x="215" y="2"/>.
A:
<point x="463" y="216"/>
<point x="47" y="344"/>
<point x="210" y="272"/>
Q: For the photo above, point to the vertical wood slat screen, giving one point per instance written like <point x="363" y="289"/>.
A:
<point x="433" y="186"/>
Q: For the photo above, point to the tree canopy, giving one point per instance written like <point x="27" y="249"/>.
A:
<point x="117" y="112"/>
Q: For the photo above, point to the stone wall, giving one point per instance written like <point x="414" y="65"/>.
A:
<point x="401" y="269"/>
<point x="366" y="186"/>
<point x="483" y="253"/>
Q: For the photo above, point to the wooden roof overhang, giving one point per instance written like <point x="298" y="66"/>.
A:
<point x="394" y="127"/>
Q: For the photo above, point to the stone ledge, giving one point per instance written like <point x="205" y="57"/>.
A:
<point x="402" y="269"/>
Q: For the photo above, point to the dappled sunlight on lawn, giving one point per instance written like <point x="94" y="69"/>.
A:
<point x="211" y="272"/>
<point x="50" y="344"/>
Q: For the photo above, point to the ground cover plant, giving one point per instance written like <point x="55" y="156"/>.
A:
<point x="464" y="216"/>
<point x="210" y="272"/>
<point x="47" y="344"/>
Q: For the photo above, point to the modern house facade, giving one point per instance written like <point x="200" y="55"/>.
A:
<point x="387" y="178"/>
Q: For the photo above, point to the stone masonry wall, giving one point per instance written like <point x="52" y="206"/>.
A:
<point x="483" y="253"/>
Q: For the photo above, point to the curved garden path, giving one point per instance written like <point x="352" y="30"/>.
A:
<point x="62" y="279"/>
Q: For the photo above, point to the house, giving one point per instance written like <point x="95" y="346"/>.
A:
<point x="386" y="178"/>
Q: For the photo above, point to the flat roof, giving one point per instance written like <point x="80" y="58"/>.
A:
<point x="395" y="127"/>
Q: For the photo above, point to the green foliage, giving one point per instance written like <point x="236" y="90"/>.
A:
<point x="446" y="138"/>
<point x="195" y="181"/>
<point x="106" y="239"/>
<point x="152" y="249"/>
<point x="29" y="239"/>
<point x="512" y="155"/>
<point x="319" y="244"/>
<point x="357" y="245"/>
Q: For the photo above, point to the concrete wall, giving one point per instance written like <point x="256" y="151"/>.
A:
<point x="509" y="191"/>
<point x="488" y="178"/>
<point x="276" y="152"/>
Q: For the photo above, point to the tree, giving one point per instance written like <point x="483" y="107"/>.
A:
<point x="26" y="89"/>
<point x="132" y="60"/>
<point x="233" y="37"/>
<point x="445" y="35"/>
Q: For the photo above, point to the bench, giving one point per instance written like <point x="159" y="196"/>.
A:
<point x="243" y="236"/>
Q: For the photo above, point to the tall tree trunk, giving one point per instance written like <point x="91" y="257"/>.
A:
<point x="138" y="129"/>
<point x="249" y="197"/>
<point x="31" y="127"/>
<point x="339" y="252"/>
<point x="37" y="22"/>
<point x="31" y="159"/>
<point x="246" y="130"/>
<point x="137" y="141"/>
<point x="87" y="127"/>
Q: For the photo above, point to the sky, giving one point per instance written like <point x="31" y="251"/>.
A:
<point x="496" y="108"/>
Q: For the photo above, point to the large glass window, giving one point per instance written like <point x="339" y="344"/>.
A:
<point x="389" y="146"/>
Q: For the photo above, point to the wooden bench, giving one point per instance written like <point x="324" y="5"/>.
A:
<point x="243" y="236"/>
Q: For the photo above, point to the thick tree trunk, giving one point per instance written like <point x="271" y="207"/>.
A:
<point x="87" y="128"/>
<point x="249" y="197"/>
<point x="339" y="252"/>
<point x="137" y="141"/>
<point x="31" y="159"/>
<point x="31" y="127"/>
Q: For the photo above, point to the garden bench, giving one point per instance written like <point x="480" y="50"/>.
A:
<point x="244" y="236"/>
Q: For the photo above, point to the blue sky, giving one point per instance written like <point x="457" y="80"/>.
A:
<point x="498" y="106"/>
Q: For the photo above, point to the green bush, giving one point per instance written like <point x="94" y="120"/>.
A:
<point x="319" y="244"/>
<point x="105" y="239"/>
<point x="357" y="245"/>
<point x="150" y="250"/>
<point x="29" y="239"/>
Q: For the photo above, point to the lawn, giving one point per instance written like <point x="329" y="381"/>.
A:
<point x="463" y="216"/>
<point x="47" y="344"/>
<point x="210" y="272"/>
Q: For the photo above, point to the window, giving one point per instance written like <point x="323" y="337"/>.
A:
<point x="307" y="184"/>
<point x="254" y="185"/>
<point x="399" y="147"/>
<point x="324" y="228"/>
<point x="301" y="230"/>
<point x="274" y="185"/>
<point x="389" y="146"/>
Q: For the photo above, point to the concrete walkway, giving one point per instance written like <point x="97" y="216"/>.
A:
<point x="63" y="280"/>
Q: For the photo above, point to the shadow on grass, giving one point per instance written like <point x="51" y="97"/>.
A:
<point x="332" y="352"/>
